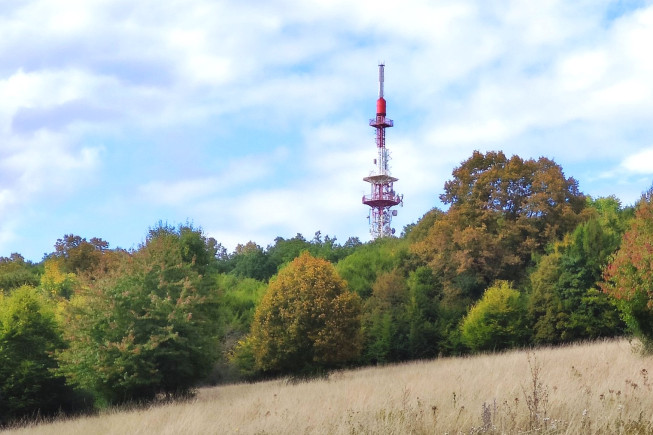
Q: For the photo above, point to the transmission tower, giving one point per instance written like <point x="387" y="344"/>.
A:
<point x="382" y="197"/>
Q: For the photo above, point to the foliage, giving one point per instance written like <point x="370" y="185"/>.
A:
<point x="497" y="321"/>
<point x="361" y="268"/>
<point x="418" y="231"/>
<point x="16" y="272"/>
<point x="240" y="296"/>
<point x="565" y="304"/>
<point x="286" y="250"/>
<point x="386" y="325"/>
<point x="308" y="319"/>
<point x="424" y="313"/>
<point x="250" y="261"/>
<point x="502" y="211"/>
<point x="150" y="325"/>
<point x="29" y="335"/>
<point x="243" y="359"/>
<point x="78" y="255"/>
<point x="629" y="276"/>
<point x="55" y="282"/>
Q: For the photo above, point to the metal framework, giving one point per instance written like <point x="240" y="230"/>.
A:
<point x="382" y="196"/>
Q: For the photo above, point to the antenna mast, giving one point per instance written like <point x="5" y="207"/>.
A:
<point x="382" y="197"/>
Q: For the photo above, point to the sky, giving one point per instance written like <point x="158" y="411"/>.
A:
<point x="249" y="119"/>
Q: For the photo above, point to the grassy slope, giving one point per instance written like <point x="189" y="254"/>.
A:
<point x="599" y="387"/>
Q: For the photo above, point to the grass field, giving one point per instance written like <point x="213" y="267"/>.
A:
<point x="602" y="387"/>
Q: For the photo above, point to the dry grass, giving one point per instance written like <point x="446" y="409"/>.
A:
<point x="599" y="387"/>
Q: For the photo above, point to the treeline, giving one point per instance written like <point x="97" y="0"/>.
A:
<point x="520" y="257"/>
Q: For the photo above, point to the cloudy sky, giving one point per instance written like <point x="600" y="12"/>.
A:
<point x="249" y="118"/>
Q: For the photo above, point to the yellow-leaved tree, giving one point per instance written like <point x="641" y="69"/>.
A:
<point x="308" y="320"/>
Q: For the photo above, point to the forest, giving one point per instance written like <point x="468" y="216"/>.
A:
<point x="519" y="257"/>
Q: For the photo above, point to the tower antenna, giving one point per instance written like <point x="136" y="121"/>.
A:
<point x="382" y="197"/>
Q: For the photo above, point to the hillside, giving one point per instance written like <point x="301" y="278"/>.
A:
<point x="600" y="387"/>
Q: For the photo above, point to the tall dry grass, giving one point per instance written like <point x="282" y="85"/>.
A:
<point x="602" y="387"/>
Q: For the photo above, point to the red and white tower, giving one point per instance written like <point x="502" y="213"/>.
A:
<point x="382" y="197"/>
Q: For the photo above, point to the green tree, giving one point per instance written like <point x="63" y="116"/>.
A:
<point x="629" y="275"/>
<point x="284" y="251"/>
<point x="497" y="321"/>
<point x="16" y="272"/>
<point x="240" y="297"/>
<point x="386" y="325"/>
<point x="148" y="326"/>
<point x="29" y="335"/>
<point x="250" y="261"/>
<point x="565" y="303"/>
<point x="363" y="266"/>
<point x="424" y="313"/>
<point x="308" y="319"/>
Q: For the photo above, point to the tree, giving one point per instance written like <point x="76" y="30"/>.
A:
<point x="565" y="303"/>
<point x="150" y="325"/>
<point x="361" y="268"/>
<point x="424" y="313"/>
<point x="29" y="335"/>
<point x="497" y="321"/>
<point x="78" y="255"/>
<point x="56" y="283"/>
<point x="284" y="251"/>
<point x="629" y="276"/>
<point x="502" y="211"/>
<point x="16" y="272"/>
<point x="251" y="261"/>
<point x="386" y="325"/>
<point x="308" y="319"/>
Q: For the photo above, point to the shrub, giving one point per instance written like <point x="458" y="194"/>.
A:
<point x="29" y="335"/>
<point x="497" y="321"/>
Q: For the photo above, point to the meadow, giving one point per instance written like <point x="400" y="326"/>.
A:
<point x="602" y="387"/>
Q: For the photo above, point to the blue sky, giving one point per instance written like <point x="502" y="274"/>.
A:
<point x="249" y="119"/>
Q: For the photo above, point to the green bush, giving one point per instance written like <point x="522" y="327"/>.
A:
<point x="497" y="321"/>
<point x="29" y="335"/>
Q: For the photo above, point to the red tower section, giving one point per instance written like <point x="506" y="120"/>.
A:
<point x="382" y="197"/>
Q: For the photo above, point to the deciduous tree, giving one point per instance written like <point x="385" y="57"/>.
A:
<point x="150" y="325"/>
<point x="502" y="211"/>
<point x="308" y="319"/>
<point x="29" y="335"/>
<point x="386" y="323"/>
<point x="629" y="276"/>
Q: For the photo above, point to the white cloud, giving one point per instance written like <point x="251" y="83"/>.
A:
<point x="639" y="163"/>
<point x="156" y="82"/>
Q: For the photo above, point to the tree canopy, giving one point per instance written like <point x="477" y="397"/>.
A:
<point x="307" y="320"/>
<point x="629" y="276"/>
<point x="502" y="211"/>
<point x="148" y="326"/>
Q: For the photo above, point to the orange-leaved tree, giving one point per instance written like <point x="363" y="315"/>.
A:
<point x="629" y="276"/>
<point x="308" y="319"/>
